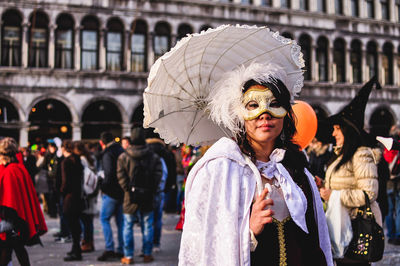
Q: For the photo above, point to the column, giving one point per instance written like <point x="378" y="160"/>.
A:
<point x="364" y="67"/>
<point x="313" y="62"/>
<point x="276" y="3"/>
<point x="346" y="8"/>
<point x="77" y="48"/>
<point x="395" y="69"/>
<point x="362" y="9"/>
<point x="392" y="10"/>
<point x="312" y="5"/>
<point x="126" y="130"/>
<point x="174" y="38"/>
<point x="23" y="134"/>
<point x="295" y="4"/>
<point x="378" y="9"/>
<point x="51" y="46"/>
<point x="102" y="50"/>
<point x="127" y="52"/>
<point x="330" y="60"/>
<point x="330" y="7"/>
<point x="76" y="131"/>
<point x="379" y="68"/>
<point x="25" y="43"/>
<point x="150" y="50"/>
<point x="257" y="2"/>
<point x="347" y="63"/>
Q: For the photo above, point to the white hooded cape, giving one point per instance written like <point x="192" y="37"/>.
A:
<point x="218" y="195"/>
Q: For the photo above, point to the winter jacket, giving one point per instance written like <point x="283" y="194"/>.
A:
<point x="109" y="158"/>
<point x="71" y="186"/>
<point x="125" y="170"/>
<point x="358" y="174"/>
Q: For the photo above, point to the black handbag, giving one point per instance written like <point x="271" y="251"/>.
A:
<point x="368" y="242"/>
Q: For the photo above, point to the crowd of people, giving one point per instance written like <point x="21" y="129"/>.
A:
<point x="59" y="176"/>
<point x="68" y="178"/>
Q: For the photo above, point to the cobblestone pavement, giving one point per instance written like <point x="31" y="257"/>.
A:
<point x="51" y="254"/>
<point x="391" y="257"/>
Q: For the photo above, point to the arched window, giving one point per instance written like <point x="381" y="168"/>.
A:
<point x="114" y="47"/>
<point x="372" y="59"/>
<point x="321" y="6"/>
<point x="287" y="35"/>
<point x="137" y="117"/>
<point x="355" y="60"/>
<point x="139" y="46"/>
<point x="266" y="2"/>
<point x="370" y="8"/>
<point x="162" y="39"/>
<point x="183" y="30"/>
<point x="38" y="39"/>
<point x="385" y="9"/>
<point x="64" y="42"/>
<point x="380" y="122"/>
<point x="339" y="60"/>
<point x="285" y="3"/>
<point x="305" y="44"/>
<point x="101" y="116"/>
<point x="354" y="8"/>
<point x="247" y="2"/>
<point x="304" y="5"/>
<point x="9" y="120"/>
<point x="205" y="27"/>
<point x="89" y="43"/>
<point x="11" y="39"/>
<point x="339" y="7"/>
<point x="387" y="63"/>
<point x="322" y="58"/>
<point x="49" y="118"/>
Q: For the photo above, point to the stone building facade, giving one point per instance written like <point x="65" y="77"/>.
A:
<point x="74" y="68"/>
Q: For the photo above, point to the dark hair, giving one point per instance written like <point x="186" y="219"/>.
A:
<point x="81" y="150"/>
<point x="68" y="145"/>
<point x="137" y="136"/>
<point x="284" y="140"/>
<point x="352" y="141"/>
<point x="106" y="137"/>
<point x="52" y="144"/>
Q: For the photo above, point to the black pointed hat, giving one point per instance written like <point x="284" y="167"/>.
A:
<point x="353" y="113"/>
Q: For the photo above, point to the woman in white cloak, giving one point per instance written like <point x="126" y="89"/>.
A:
<point x="251" y="200"/>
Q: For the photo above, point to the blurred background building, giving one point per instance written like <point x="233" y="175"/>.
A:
<point x="73" y="68"/>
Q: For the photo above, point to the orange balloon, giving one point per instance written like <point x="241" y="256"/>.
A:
<point x="306" y="123"/>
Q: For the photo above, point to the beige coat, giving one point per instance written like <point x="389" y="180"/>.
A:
<point x="358" y="174"/>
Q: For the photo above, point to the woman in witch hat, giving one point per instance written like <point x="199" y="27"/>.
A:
<point x="250" y="200"/>
<point x="355" y="168"/>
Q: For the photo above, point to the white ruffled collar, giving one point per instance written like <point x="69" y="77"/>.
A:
<point x="293" y="194"/>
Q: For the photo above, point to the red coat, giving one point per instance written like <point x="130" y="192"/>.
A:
<point x="17" y="192"/>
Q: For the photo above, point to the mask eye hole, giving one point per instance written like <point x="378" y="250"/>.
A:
<point x="275" y="104"/>
<point x="252" y="105"/>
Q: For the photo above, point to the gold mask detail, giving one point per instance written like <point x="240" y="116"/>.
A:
<point x="258" y="100"/>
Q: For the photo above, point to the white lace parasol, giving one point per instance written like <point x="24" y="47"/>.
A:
<point x="181" y="82"/>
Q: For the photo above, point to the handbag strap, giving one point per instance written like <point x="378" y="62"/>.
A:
<point x="366" y="209"/>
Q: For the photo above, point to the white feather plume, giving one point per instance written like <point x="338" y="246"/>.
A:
<point x="225" y="101"/>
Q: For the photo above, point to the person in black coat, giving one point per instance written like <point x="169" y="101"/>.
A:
<point x="71" y="190"/>
<point x="112" y="197"/>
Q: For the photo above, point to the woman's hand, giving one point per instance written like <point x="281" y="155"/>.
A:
<point x="325" y="193"/>
<point x="259" y="216"/>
